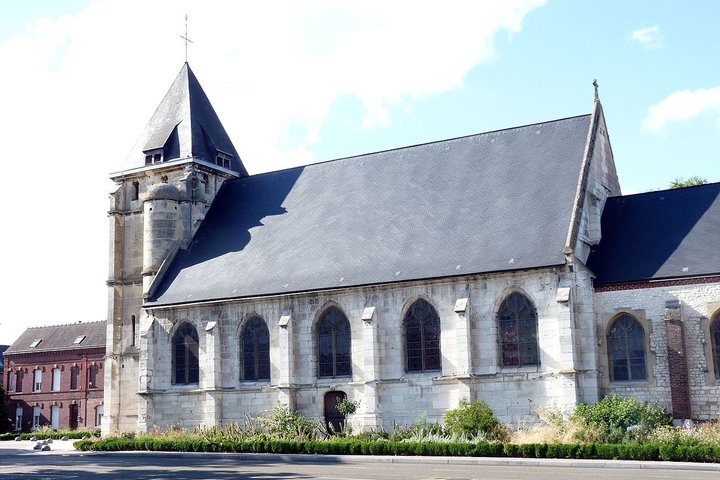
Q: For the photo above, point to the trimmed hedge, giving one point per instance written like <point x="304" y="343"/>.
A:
<point x="73" y="434"/>
<point x="348" y="446"/>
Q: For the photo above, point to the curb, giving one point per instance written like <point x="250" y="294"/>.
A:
<point x="479" y="461"/>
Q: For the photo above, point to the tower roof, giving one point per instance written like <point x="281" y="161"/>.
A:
<point x="184" y="126"/>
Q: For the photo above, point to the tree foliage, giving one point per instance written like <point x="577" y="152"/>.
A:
<point x="680" y="182"/>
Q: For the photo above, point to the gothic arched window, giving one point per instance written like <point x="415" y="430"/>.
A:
<point x="422" y="337"/>
<point x="333" y="337"/>
<point x="517" y="323"/>
<point x="626" y="350"/>
<point x="715" y="341"/>
<point x="255" y="344"/>
<point x="186" y="365"/>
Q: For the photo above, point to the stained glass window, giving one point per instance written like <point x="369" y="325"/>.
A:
<point x="626" y="350"/>
<point x="517" y="324"/>
<point x="422" y="338"/>
<point x="333" y="336"/>
<point x="255" y="342"/>
<point x="186" y="366"/>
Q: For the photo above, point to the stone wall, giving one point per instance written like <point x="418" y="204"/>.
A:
<point x="698" y="304"/>
<point x="471" y="363"/>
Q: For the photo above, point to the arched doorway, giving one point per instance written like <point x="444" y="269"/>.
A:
<point x="334" y="420"/>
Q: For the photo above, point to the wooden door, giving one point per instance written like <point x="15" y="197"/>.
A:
<point x="334" y="420"/>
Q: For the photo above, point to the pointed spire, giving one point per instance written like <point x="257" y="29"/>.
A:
<point x="183" y="126"/>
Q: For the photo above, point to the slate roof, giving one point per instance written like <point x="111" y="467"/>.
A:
<point x="185" y="125"/>
<point x="490" y="202"/>
<point x="659" y="235"/>
<point x="60" y="337"/>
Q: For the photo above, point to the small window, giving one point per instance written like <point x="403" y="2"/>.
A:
<point x="11" y="381"/>
<point x="37" y="380"/>
<point x="626" y="350"/>
<point x="78" y="340"/>
<point x="517" y="324"/>
<point x="135" y="193"/>
<point x="19" y="381"/>
<point x="99" y="412"/>
<point x="133" y="333"/>
<point x="35" y="342"/>
<point x="92" y="376"/>
<point x="148" y="159"/>
<point x="56" y="380"/>
<point x="157" y="158"/>
<point x="223" y="159"/>
<point x="422" y="338"/>
<point x="18" y="418"/>
<point x="255" y="344"/>
<point x="333" y="337"/>
<point x="186" y="363"/>
<point x="74" y="415"/>
<point x="74" y="376"/>
<point x="36" y="418"/>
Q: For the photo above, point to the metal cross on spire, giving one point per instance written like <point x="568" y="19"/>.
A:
<point x="597" y="96"/>
<point x="185" y="37"/>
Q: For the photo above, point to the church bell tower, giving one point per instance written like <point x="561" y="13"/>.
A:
<point x="164" y="190"/>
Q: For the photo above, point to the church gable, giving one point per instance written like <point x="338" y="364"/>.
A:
<point x="491" y="202"/>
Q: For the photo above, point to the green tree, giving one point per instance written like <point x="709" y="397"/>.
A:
<point x="680" y="182"/>
<point x="4" y="419"/>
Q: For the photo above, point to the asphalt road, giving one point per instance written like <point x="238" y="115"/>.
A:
<point x="63" y="463"/>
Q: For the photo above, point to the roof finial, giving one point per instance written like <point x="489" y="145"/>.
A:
<point x="185" y="37"/>
<point x="595" y="84"/>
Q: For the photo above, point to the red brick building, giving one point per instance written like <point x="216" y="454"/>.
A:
<point x="54" y="377"/>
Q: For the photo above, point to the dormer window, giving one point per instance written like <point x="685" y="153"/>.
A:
<point x="154" y="156"/>
<point x="222" y="159"/>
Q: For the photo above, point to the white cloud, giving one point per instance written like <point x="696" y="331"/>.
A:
<point x="682" y="106"/>
<point x="648" y="37"/>
<point x="77" y="90"/>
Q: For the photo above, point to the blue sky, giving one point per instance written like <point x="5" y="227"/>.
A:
<point x="300" y="82"/>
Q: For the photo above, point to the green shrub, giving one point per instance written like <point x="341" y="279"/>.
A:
<point x="421" y="429"/>
<point x="622" y="419"/>
<point x="284" y="424"/>
<point x="472" y="419"/>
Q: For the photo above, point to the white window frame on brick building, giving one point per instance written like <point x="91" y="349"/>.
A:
<point x="74" y="377"/>
<point x="19" y="417"/>
<point x="37" y="380"/>
<point x="93" y="371"/>
<point x="37" y="415"/>
<point x="56" y="377"/>
<point x="99" y="412"/>
<point x="11" y="381"/>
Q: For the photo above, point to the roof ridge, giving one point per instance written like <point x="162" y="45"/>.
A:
<point x="669" y="189"/>
<point x="414" y="145"/>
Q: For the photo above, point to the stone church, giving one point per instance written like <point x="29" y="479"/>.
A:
<point x="504" y="266"/>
